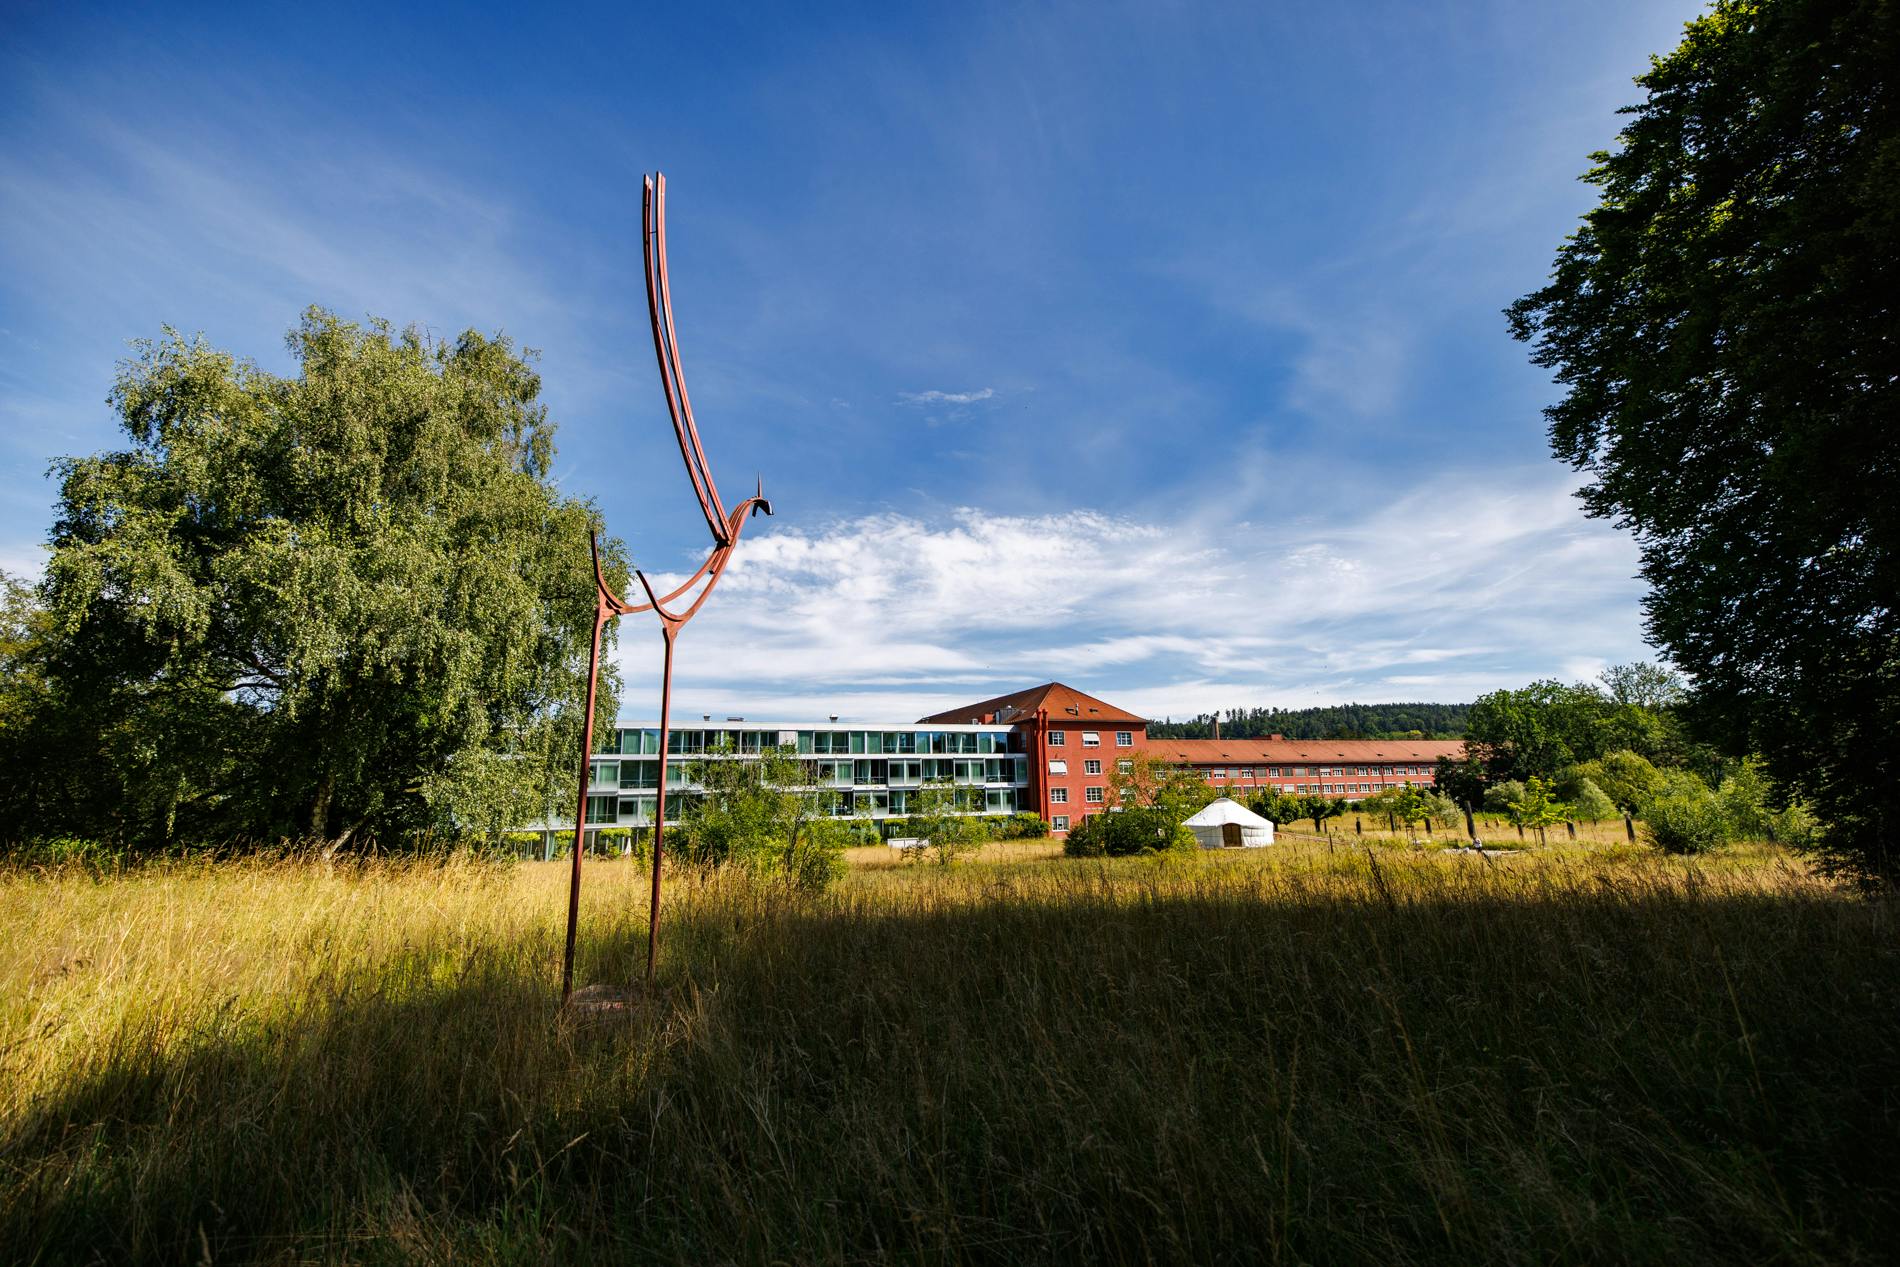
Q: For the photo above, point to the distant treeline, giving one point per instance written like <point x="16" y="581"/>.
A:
<point x="1337" y="721"/>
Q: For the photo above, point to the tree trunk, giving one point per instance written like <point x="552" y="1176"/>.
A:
<point x="320" y="806"/>
<point x="1471" y="827"/>
<point x="1629" y="825"/>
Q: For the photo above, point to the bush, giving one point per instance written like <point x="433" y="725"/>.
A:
<point x="1588" y="801"/>
<point x="1021" y="826"/>
<point x="1683" y="816"/>
<point x="1123" y="833"/>
<point x="1498" y="797"/>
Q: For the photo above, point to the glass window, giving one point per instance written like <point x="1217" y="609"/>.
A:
<point x="1058" y="767"/>
<point x="1090" y="739"/>
<point x="1126" y="767"/>
<point x="1092" y="795"/>
<point x="601" y="809"/>
<point x="605" y="772"/>
<point x="639" y="774"/>
<point x="1124" y="739"/>
<point x="1091" y="767"/>
<point x="1057" y="739"/>
<point x="1059" y="823"/>
<point x="1058" y="796"/>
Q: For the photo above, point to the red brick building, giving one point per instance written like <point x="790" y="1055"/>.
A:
<point x="1351" y="768"/>
<point x="1072" y="741"/>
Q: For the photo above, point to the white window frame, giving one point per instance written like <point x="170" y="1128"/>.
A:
<point x="1059" y="823"/>
<point x="1092" y="795"/>
<point x="1091" y="739"/>
<point x="1124" y="739"/>
<point x="1058" y="796"/>
<point x="1091" y="767"/>
<point x="1057" y="739"/>
<point x="1058" y="766"/>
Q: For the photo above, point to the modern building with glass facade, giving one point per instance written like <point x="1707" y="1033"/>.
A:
<point x="866" y="772"/>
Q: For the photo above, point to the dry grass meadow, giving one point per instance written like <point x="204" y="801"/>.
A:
<point x="1346" y="1052"/>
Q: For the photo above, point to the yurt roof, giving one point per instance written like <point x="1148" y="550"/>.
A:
<point x="1227" y="810"/>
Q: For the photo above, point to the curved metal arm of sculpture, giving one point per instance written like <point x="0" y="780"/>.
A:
<point x="673" y="343"/>
<point x="715" y="564"/>
<point x="666" y="351"/>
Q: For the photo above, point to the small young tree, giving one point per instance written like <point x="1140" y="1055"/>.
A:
<point x="1587" y="801"/>
<point x="1537" y="809"/>
<point x="757" y="815"/>
<point x="939" y="821"/>
<point x="1150" y="783"/>
<point x="1627" y="778"/>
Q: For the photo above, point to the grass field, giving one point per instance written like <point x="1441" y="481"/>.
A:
<point x="1313" y="1052"/>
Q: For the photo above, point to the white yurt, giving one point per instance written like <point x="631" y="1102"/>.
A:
<point x="1227" y="824"/>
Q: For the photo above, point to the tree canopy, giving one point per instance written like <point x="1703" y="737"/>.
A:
<point x="345" y="602"/>
<point x="1725" y="331"/>
<point x="1334" y="721"/>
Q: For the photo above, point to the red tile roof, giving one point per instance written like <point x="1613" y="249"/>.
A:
<point x="1285" y="751"/>
<point x="1061" y="703"/>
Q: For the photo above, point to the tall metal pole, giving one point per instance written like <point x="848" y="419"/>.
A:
<point x="580" y="805"/>
<point x="659" y="816"/>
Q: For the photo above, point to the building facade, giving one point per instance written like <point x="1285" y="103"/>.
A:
<point x="1072" y="742"/>
<point x="1050" y="750"/>
<point x="866" y="772"/>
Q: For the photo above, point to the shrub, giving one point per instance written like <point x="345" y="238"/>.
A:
<point x="1126" y="832"/>
<point x="1588" y="801"/>
<point x="1498" y="797"/>
<point x="1683" y="816"/>
<point x="1020" y="826"/>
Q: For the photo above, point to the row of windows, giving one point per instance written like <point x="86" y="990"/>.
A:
<point x="637" y="811"/>
<point x="690" y="742"/>
<point x="1093" y="739"/>
<point x="1060" y="795"/>
<point x="1296" y="771"/>
<point x="1059" y="765"/>
<point x="895" y="771"/>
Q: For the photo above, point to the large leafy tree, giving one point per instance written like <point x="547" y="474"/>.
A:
<point x="344" y="603"/>
<point x="1726" y="329"/>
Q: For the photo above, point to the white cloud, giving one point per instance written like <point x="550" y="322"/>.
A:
<point x="891" y="617"/>
<point x="946" y="398"/>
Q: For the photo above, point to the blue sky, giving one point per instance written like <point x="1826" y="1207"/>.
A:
<point x="1155" y="348"/>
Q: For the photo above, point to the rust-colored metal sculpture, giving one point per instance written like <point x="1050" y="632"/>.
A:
<point x="725" y="530"/>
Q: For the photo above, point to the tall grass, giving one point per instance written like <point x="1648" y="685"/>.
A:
<point x="1349" y="1055"/>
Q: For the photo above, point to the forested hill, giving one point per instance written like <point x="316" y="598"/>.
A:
<point x="1337" y="721"/>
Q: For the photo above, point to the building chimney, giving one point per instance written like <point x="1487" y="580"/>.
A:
<point x="1217" y="725"/>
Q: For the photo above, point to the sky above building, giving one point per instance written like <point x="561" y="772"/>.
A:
<point x="1153" y="348"/>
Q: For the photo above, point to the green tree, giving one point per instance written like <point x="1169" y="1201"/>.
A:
<point x="1150" y="783"/>
<point x="344" y="603"/>
<point x="1589" y="802"/>
<point x="942" y="822"/>
<point x="1724" y="329"/>
<point x="765" y="814"/>
<point x="1535" y="808"/>
<point x="1626" y="778"/>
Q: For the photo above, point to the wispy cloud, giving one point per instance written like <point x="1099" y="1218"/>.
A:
<point x="946" y="398"/>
